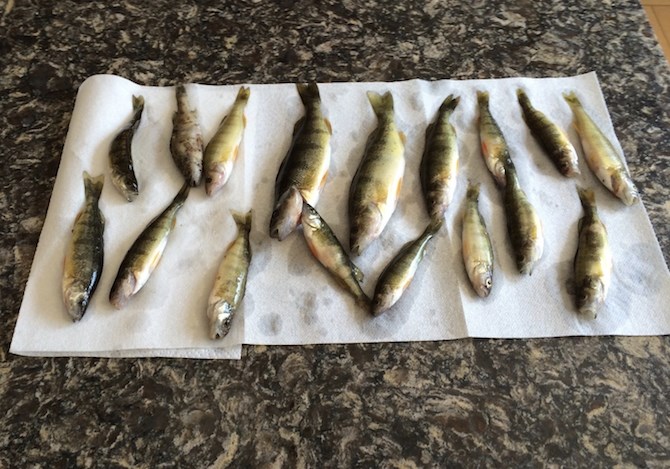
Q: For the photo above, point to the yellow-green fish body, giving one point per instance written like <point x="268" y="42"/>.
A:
<point x="523" y="224"/>
<point x="551" y="138"/>
<point x="305" y="166"/>
<point x="439" y="164"/>
<point x="600" y="154"/>
<point x="222" y="150"/>
<point x="477" y="250"/>
<point x="121" y="154"/>
<point x="186" y="144"/>
<point x="325" y="247"/>
<point x="84" y="256"/>
<point x="231" y="280"/>
<point x="145" y="253"/>
<point x="398" y="274"/>
<point x="493" y="144"/>
<point x="374" y="191"/>
<point x="593" y="260"/>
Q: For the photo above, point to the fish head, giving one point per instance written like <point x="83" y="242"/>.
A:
<point x="623" y="187"/>
<point x="122" y="290"/>
<point x="365" y="228"/>
<point x="76" y="300"/>
<point x="483" y="280"/>
<point x="286" y="215"/>
<point x="567" y="163"/>
<point x="589" y="296"/>
<point x="220" y="318"/>
<point x="215" y="178"/>
<point x="383" y="299"/>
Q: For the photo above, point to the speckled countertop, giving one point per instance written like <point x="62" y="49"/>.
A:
<point x="572" y="401"/>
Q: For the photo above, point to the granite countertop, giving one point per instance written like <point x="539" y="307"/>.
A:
<point x="569" y="401"/>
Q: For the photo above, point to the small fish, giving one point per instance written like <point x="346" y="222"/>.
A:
<point x="477" y="250"/>
<point x="222" y="149"/>
<point x="593" y="261"/>
<point x="523" y="224"/>
<point x="600" y="154"/>
<point x="186" y="144"/>
<point x="439" y="165"/>
<point x="494" y="146"/>
<point x="145" y="253"/>
<point x="121" y="154"/>
<point x="374" y="190"/>
<point x="550" y="137"/>
<point x="398" y="274"/>
<point x="85" y="252"/>
<point x="231" y="280"/>
<point x="325" y="247"/>
<point x="305" y="166"/>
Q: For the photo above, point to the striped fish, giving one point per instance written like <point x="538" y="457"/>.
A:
<point x="186" y="143"/>
<point x="493" y="144"/>
<point x="121" y="155"/>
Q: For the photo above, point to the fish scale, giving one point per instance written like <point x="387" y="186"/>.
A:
<point x="121" y="155"/>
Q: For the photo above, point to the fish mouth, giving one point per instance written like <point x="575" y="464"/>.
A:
<point x="221" y="316"/>
<point x="76" y="305"/>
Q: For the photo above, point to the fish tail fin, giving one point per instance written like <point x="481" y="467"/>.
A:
<point x="524" y="101"/>
<point x="572" y="99"/>
<point x="483" y="98"/>
<point x="381" y="104"/>
<point x="93" y="185"/>
<point x="243" y="94"/>
<point x="138" y="103"/>
<point x="588" y="198"/>
<point x="473" y="191"/>
<point x="309" y="92"/>
<point x="242" y="220"/>
<point x="434" y="226"/>
<point x="181" y="196"/>
<point x="450" y="103"/>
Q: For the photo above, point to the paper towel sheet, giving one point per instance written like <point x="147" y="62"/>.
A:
<point x="290" y="298"/>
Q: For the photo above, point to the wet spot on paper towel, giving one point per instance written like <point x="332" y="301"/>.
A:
<point x="307" y="309"/>
<point x="299" y="258"/>
<point x="270" y="324"/>
<point x="261" y="252"/>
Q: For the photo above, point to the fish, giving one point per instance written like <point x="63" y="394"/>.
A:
<point x="593" y="260"/>
<point x="523" y="224"/>
<point x="231" y="280"/>
<point x="477" y="249"/>
<point x="222" y="150"/>
<point x="493" y="144"/>
<point x="550" y="137"/>
<point x="601" y="156"/>
<point x="439" y="164"/>
<point x="84" y="257"/>
<point x="146" y="252"/>
<point x="398" y="274"/>
<point x="305" y="166"/>
<point x="325" y="247"/>
<point x="121" y="154"/>
<point x="375" y="188"/>
<point x="186" y="143"/>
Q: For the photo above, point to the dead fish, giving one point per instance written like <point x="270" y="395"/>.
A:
<point x="550" y="137"/>
<point x="477" y="250"/>
<point x="305" y="166"/>
<point x="593" y="260"/>
<point x="600" y="154"/>
<point x="231" y="280"/>
<point x="439" y="164"/>
<point x="523" y="224"/>
<point x="325" y="247"/>
<point x="85" y="252"/>
<point x="375" y="188"/>
<point x="145" y="253"/>
<point x="186" y="144"/>
<point x="222" y="150"/>
<point x="121" y="154"/>
<point x="494" y="147"/>
<point x="398" y="274"/>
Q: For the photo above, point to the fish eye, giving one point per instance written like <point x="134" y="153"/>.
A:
<point x="488" y="282"/>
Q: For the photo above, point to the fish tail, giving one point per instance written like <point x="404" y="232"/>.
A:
<point x="243" y="94"/>
<point x="483" y="98"/>
<point x="523" y="98"/>
<point x="309" y="92"/>
<point x="93" y="185"/>
<point x="450" y="103"/>
<point x="588" y="198"/>
<point x="434" y="226"/>
<point x="181" y="196"/>
<point x="138" y="103"/>
<point x="381" y="104"/>
<point x="243" y="220"/>
<point x="572" y="99"/>
<point x="473" y="191"/>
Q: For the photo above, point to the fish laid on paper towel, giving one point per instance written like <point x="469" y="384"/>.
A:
<point x="523" y="224"/>
<point x="551" y="138"/>
<point x="494" y="147"/>
<point x="374" y="191"/>
<point x="145" y="253"/>
<point x="85" y="252"/>
<point x="222" y="150"/>
<point x="600" y="154"/>
<point x="439" y="164"/>
<point x="477" y="249"/>
<point x="121" y="154"/>
<point x="593" y="261"/>
<point x="398" y="274"/>
<point x="186" y="144"/>
<point x="329" y="252"/>
<point x="231" y="280"/>
<point x="304" y="170"/>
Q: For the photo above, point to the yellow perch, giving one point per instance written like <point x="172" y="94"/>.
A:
<point x="186" y="144"/>
<point x="493" y="144"/>
<point x="477" y="250"/>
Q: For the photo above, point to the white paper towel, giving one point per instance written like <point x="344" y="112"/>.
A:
<point x="290" y="298"/>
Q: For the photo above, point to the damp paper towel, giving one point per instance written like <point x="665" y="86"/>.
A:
<point x="290" y="298"/>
